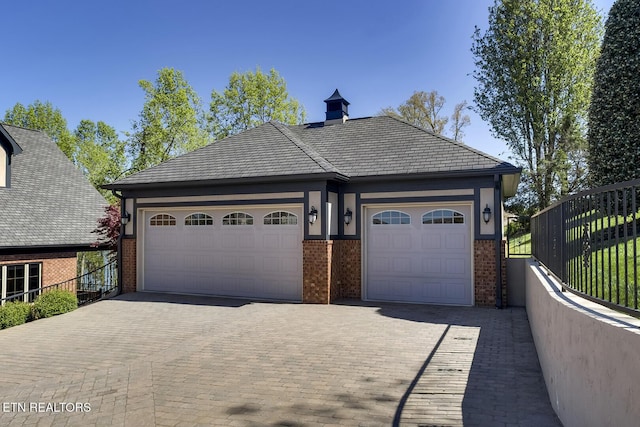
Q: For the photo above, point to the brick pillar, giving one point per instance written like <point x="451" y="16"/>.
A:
<point x="348" y="262"/>
<point x="485" y="273"/>
<point x="129" y="268"/>
<point x="316" y="271"/>
<point x="336" y="272"/>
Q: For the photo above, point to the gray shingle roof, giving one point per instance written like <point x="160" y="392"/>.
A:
<point x="49" y="203"/>
<point x="387" y="146"/>
<point x="367" y="147"/>
<point x="267" y="150"/>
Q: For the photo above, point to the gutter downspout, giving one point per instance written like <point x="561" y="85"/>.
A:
<point x="119" y="248"/>
<point x="497" y="207"/>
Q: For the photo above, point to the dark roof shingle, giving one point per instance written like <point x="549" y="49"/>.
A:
<point x="387" y="146"/>
<point x="372" y="146"/>
<point x="49" y="203"/>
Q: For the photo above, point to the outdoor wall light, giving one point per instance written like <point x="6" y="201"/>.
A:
<point x="486" y="214"/>
<point x="313" y="215"/>
<point x="126" y="216"/>
<point x="348" y="215"/>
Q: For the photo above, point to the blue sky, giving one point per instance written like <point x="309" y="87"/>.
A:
<point x="87" y="57"/>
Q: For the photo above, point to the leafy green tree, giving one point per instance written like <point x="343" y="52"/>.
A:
<point x="251" y="99"/>
<point x="614" y="116"/>
<point x="171" y="121"/>
<point x="534" y="73"/>
<point x="45" y="117"/>
<point x="423" y="109"/>
<point x="100" y="154"/>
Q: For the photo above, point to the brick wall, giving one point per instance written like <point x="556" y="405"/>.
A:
<point x="332" y="270"/>
<point x="129" y="268"/>
<point x="347" y="263"/>
<point x="56" y="267"/>
<point x="335" y="283"/>
<point x="484" y="260"/>
<point x="316" y="271"/>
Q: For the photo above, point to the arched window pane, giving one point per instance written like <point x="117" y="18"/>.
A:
<point x="391" y="218"/>
<point x="162" y="220"/>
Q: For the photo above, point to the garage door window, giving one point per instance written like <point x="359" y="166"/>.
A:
<point x="237" y="218"/>
<point x="443" y="216"/>
<point x="280" y="218"/>
<point x="391" y="218"/>
<point x="198" y="219"/>
<point x="162" y="220"/>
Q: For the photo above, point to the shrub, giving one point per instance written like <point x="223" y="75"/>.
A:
<point x="14" y="313"/>
<point x="54" y="302"/>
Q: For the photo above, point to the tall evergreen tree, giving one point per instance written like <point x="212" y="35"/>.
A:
<point x="614" y="116"/>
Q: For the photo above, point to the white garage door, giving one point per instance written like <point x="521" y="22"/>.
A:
<point x="419" y="254"/>
<point x="240" y="252"/>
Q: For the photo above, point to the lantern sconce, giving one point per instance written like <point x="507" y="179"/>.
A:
<point x="313" y="215"/>
<point x="486" y="214"/>
<point x="124" y="219"/>
<point x="348" y="215"/>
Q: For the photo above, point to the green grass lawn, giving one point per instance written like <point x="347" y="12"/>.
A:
<point x="598" y="222"/>
<point x="520" y="246"/>
<point x="612" y="270"/>
<point x="613" y="273"/>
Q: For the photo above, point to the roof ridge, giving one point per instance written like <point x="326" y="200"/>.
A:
<point x="305" y="148"/>
<point x="3" y="124"/>
<point x="453" y="141"/>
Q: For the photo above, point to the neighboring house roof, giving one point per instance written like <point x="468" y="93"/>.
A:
<point x="49" y="202"/>
<point x="7" y="141"/>
<point x="367" y="147"/>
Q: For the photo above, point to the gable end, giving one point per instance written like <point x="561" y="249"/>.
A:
<point x="8" y="148"/>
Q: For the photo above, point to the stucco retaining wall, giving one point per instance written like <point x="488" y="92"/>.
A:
<point x="589" y="354"/>
<point x="515" y="279"/>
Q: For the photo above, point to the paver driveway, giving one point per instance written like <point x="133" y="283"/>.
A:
<point x="150" y="359"/>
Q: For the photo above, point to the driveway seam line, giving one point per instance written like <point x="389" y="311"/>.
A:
<point x="412" y="386"/>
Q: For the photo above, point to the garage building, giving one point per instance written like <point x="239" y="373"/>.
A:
<point x="372" y="208"/>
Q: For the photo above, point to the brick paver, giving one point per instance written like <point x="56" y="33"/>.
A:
<point x="149" y="359"/>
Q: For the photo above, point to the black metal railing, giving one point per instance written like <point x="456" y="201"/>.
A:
<point x="88" y="287"/>
<point x="591" y="242"/>
<point x="519" y="237"/>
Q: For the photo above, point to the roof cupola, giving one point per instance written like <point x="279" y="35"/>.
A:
<point x="337" y="109"/>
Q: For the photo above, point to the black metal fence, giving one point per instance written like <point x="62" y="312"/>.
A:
<point x="95" y="284"/>
<point x="590" y="241"/>
<point x="88" y="287"/>
<point x="519" y="237"/>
